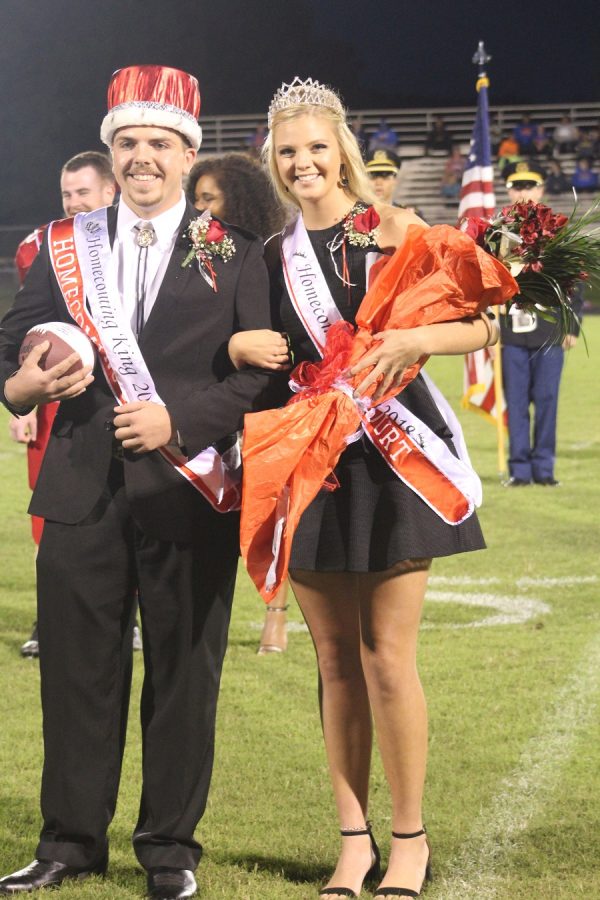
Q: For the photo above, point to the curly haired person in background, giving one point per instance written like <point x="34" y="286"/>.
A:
<point x="235" y="188"/>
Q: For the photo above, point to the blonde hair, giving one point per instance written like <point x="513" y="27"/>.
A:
<point x="359" y="184"/>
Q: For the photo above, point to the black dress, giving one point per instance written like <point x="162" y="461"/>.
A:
<point x="373" y="520"/>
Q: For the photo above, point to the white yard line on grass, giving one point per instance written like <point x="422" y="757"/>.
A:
<point x="478" y="870"/>
<point x="470" y="581"/>
<point x="511" y="610"/>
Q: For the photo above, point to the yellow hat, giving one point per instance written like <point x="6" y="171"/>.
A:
<point x="524" y="171"/>
<point x="382" y="161"/>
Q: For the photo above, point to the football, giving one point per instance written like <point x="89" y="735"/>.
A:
<point x="64" y="340"/>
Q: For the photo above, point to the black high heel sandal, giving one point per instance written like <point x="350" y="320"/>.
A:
<point x="374" y="873"/>
<point x="408" y="892"/>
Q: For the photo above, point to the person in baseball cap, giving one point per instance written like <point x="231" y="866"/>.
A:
<point x="124" y="492"/>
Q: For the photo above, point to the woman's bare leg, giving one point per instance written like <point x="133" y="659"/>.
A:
<point x="330" y="606"/>
<point x="273" y="638"/>
<point x="390" y="608"/>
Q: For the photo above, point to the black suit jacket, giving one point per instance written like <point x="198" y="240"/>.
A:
<point x="184" y="343"/>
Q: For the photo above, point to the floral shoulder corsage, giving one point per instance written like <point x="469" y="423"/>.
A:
<point x="209" y="239"/>
<point x="358" y="229"/>
<point x="360" y="225"/>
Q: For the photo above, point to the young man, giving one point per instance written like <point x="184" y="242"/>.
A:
<point x="532" y="361"/>
<point x="164" y="292"/>
<point x="86" y="183"/>
<point x="382" y="167"/>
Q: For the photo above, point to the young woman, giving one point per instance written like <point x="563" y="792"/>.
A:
<point x="361" y="554"/>
<point x="235" y="188"/>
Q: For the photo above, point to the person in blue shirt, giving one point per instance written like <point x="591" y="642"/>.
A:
<point x="584" y="180"/>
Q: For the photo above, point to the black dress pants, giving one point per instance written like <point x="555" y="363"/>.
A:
<point x="87" y="575"/>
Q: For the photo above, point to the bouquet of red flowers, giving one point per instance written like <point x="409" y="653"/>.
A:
<point x="547" y="253"/>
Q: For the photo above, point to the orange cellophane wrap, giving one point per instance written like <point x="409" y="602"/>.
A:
<point x="436" y="275"/>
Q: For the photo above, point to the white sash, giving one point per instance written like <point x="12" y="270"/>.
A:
<point x="85" y="256"/>
<point x="390" y="426"/>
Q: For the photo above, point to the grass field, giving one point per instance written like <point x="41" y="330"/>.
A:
<point x="510" y="658"/>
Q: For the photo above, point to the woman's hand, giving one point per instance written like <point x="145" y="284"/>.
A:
<point x="396" y="351"/>
<point x="263" y="348"/>
<point x="402" y="347"/>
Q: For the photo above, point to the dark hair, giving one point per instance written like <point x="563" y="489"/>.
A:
<point x="249" y="200"/>
<point x="93" y="158"/>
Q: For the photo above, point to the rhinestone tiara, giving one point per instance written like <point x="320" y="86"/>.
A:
<point x="304" y="93"/>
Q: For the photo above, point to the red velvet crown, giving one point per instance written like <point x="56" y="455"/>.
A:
<point x="153" y="95"/>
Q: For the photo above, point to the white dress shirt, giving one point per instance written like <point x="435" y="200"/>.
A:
<point x="125" y="254"/>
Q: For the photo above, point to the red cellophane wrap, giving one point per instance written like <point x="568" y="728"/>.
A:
<point x="436" y="275"/>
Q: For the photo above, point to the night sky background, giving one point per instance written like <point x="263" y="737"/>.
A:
<point x="57" y="57"/>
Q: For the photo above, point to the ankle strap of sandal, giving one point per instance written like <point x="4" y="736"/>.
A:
<point x="413" y="834"/>
<point x="350" y="832"/>
<point x="277" y="608"/>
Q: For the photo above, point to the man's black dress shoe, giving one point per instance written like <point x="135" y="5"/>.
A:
<point x="515" y="482"/>
<point x="45" y="873"/>
<point x="165" y="883"/>
<point x="548" y="482"/>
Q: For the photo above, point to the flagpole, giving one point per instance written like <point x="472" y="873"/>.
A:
<point x="480" y="58"/>
<point x="499" y="398"/>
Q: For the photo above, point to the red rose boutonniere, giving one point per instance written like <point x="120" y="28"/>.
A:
<point x="209" y="239"/>
<point x="360" y="225"/>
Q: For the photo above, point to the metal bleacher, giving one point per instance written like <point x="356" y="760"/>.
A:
<point x="419" y="186"/>
<point x="226" y="133"/>
<point x="420" y="176"/>
<point x="419" y="179"/>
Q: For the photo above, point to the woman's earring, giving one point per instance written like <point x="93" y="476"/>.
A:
<point x="343" y="176"/>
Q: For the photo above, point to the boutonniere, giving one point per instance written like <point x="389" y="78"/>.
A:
<point x="360" y="224"/>
<point x="209" y="239"/>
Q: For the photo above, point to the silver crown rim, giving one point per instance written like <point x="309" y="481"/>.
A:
<point x="304" y="93"/>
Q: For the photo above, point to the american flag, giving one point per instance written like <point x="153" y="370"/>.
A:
<point x="477" y="191"/>
<point x="479" y="389"/>
<point x="477" y="199"/>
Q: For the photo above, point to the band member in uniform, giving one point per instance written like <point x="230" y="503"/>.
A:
<point x="133" y="490"/>
<point x="383" y="167"/>
<point x="532" y="361"/>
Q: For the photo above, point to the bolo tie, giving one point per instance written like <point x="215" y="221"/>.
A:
<point x="144" y="238"/>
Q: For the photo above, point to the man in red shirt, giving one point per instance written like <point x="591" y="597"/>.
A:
<point x="86" y="183"/>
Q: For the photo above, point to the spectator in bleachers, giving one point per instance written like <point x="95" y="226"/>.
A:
<point x="362" y="138"/>
<point x="588" y="145"/>
<point x="556" y="180"/>
<point x="385" y="138"/>
<point x="541" y="144"/>
<point x="439" y="138"/>
<point x="495" y="134"/>
<point x="585" y="181"/>
<point x="255" y="140"/>
<point x="566" y="135"/>
<point x="452" y="175"/>
<point x="382" y="167"/>
<point x="509" y="146"/>
<point x="524" y="134"/>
